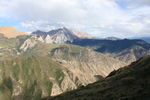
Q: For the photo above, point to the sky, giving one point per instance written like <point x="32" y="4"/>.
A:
<point x="99" y="18"/>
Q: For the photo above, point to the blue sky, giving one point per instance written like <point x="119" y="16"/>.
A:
<point x="10" y="22"/>
<point x="100" y="18"/>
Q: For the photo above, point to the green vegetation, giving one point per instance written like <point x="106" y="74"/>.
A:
<point x="6" y="88"/>
<point x="8" y="43"/>
<point x="69" y="52"/>
<point x="59" y="76"/>
<point x="29" y="75"/>
<point x="12" y="42"/>
<point x="49" y="85"/>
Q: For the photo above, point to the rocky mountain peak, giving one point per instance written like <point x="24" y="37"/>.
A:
<point x="61" y="35"/>
<point x="39" y="32"/>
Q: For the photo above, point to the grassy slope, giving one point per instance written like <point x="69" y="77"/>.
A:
<point x="12" y="42"/>
<point x="31" y="74"/>
<point x="129" y="83"/>
<point x="60" y="51"/>
<point x="31" y="71"/>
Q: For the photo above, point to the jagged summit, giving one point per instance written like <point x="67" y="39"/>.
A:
<point x="61" y="30"/>
<point x="61" y="35"/>
<point x="51" y="32"/>
<point x="39" y="32"/>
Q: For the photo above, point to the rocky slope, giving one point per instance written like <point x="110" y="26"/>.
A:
<point x="10" y="32"/>
<point x="128" y="83"/>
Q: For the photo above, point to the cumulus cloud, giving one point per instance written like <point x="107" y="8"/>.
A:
<point x="37" y="25"/>
<point x="96" y="17"/>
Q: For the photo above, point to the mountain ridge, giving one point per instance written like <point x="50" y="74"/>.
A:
<point x="125" y="49"/>
<point x="62" y="35"/>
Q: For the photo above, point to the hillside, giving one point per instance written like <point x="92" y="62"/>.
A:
<point x="31" y="69"/>
<point x="76" y="60"/>
<point x="125" y="50"/>
<point x="10" y="32"/>
<point x="26" y="78"/>
<point x="128" y="83"/>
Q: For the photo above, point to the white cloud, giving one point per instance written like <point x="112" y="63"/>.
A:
<point x="38" y="25"/>
<point x="93" y="16"/>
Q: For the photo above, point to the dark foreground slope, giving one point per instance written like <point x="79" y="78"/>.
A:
<point x="129" y="83"/>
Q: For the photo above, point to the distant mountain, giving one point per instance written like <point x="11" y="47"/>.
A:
<point x="62" y="30"/>
<point x="123" y="49"/>
<point x="62" y="35"/>
<point x="10" y="32"/>
<point x="147" y="39"/>
<point x="128" y="83"/>
<point x="127" y="50"/>
<point x="38" y="32"/>
<point x="81" y="35"/>
<point x="111" y="38"/>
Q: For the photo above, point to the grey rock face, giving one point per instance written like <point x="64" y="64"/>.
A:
<point x="62" y="35"/>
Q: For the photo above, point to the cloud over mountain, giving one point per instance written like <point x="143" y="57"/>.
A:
<point x="124" y="18"/>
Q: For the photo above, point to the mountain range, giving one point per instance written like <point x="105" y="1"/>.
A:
<point x="147" y="39"/>
<point x="126" y="50"/>
<point x="45" y="64"/>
